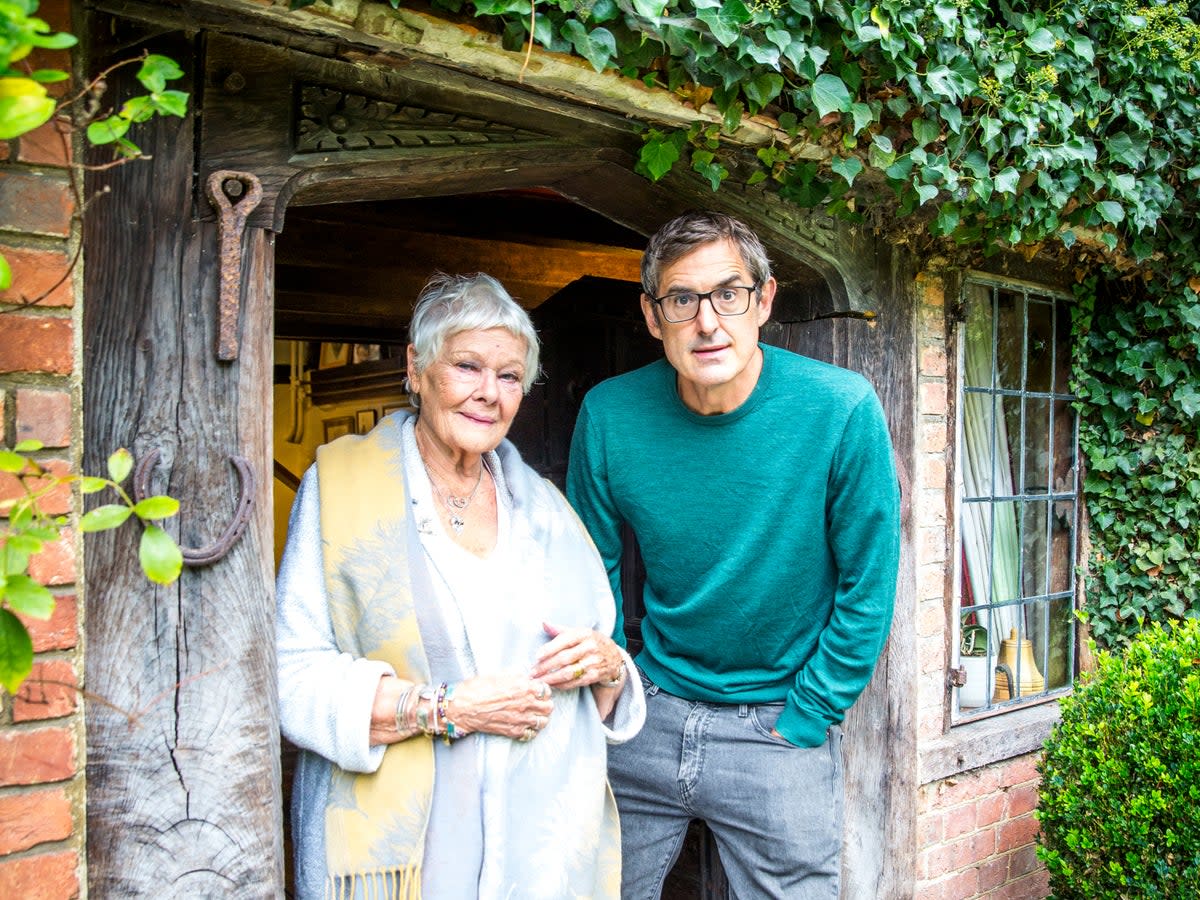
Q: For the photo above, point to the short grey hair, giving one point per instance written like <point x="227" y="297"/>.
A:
<point x="685" y="233"/>
<point x="449" y="304"/>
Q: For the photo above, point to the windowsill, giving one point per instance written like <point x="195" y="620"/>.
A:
<point x="986" y="741"/>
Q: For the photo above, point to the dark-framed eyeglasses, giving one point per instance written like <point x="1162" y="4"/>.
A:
<point x="731" y="300"/>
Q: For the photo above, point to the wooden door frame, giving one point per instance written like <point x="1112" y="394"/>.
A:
<point x="463" y="135"/>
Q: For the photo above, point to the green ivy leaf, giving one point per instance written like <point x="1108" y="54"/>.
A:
<point x="763" y="89"/>
<point x="849" y="167"/>
<point x="16" y="652"/>
<point x="1041" y="41"/>
<point x="597" y="46"/>
<point x="1110" y="211"/>
<point x="102" y="518"/>
<point x="12" y="463"/>
<point x="171" y="103"/>
<point x="1005" y="181"/>
<point x="5" y="274"/>
<point x="159" y="555"/>
<point x="659" y="155"/>
<point x="830" y="94"/>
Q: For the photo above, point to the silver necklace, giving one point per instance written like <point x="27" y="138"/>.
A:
<point x="456" y="505"/>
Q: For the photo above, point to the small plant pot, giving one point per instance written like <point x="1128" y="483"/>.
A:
<point x="976" y="691"/>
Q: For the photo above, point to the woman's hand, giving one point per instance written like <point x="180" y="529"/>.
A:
<point x="578" y="657"/>
<point x="510" y="705"/>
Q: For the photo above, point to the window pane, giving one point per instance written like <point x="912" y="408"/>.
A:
<point x="1019" y="509"/>
<point x="1064" y="447"/>
<point x="1010" y="339"/>
<point x="1062" y="548"/>
<point x="1033" y="548"/>
<point x="1037" y="446"/>
<point x="1039" y="376"/>
<point x="978" y="434"/>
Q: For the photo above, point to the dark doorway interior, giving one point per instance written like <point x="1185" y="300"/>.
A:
<point x="347" y="276"/>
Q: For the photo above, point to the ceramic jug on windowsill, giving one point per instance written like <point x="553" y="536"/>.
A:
<point x="1016" y="656"/>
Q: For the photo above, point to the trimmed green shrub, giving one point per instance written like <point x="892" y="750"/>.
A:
<point x="1120" y="793"/>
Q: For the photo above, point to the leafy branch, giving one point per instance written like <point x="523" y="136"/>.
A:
<point x="29" y="529"/>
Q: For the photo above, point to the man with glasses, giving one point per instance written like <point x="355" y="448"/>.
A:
<point x="761" y="490"/>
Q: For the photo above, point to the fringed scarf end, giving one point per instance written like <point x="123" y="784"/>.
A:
<point x="403" y="883"/>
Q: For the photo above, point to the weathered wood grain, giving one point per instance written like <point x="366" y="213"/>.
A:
<point x="182" y="727"/>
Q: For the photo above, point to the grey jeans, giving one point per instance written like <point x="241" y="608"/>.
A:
<point x="774" y="808"/>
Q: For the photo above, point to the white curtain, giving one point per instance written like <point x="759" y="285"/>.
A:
<point x="989" y="530"/>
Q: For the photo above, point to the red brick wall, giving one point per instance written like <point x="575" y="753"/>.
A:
<point x="41" y="729"/>
<point x="977" y="832"/>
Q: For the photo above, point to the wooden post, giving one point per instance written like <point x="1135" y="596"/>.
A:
<point x="182" y="726"/>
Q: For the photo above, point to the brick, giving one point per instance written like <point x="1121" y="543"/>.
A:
<point x="936" y="861"/>
<point x="932" y="398"/>
<point x="930" y="829"/>
<point x="960" y="820"/>
<point x="991" y="809"/>
<point x="1022" y="861"/>
<point x="930" y="891"/>
<point x="48" y="145"/>
<point x="931" y="618"/>
<point x="49" y="692"/>
<point x="1022" y="770"/>
<point x="963" y="884"/>
<point x="933" y="361"/>
<point x="55" y="564"/>
<point x="36" y="343"/>
<point x="931" y="473"/>
<point x="967" y="787"/>
<point x="1016" y="833"/>
<point x="60" y="631"/>
<point x="931" y="653"/>
<point x="47" y="876"/>
<point x="1022" y="799"/>
<point x="992" y="874"/>
<point x="1034" y="886"/>
<point x="931" y="585"/>
<point x="35" y="204"/>
<point x="934" y="437"/>
<point x="41" y="756"/>
<point x="56" y="501"/>
<point x="36" y="273"/>
<point x="933" y="290"/>
<point x="27" y="820"/>
<point x="44" y="416"/>
<point x="931" y="505"/>
<point x="932" y="546"/>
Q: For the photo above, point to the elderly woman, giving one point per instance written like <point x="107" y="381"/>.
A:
<point x="444" y="658"/>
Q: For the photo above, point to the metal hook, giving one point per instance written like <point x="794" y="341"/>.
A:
<point x="204" y="556"/>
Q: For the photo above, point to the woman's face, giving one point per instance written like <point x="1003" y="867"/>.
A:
<point x="471" y="392"/>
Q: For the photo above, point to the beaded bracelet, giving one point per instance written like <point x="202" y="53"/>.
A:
<point x="445" y="692"/>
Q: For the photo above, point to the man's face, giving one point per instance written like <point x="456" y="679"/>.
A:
<point x="717" y="357"/>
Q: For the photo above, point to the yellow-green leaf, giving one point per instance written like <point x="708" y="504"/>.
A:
<point x="120" y="464"/>
<point x="157" y="507"/>
<point x="104" y="517"/>
<point x="159" y="555"/>
<point x="16" y="652"/>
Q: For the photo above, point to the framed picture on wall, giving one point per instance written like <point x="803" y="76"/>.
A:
<point x="364" y="421"/>
<point x="389" y="408"/>
<point x="336" y="426"/>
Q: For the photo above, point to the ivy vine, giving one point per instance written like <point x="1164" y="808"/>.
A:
<point x="978" y="125"/>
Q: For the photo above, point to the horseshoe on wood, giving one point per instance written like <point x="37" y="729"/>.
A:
<point x="206" y="556"/>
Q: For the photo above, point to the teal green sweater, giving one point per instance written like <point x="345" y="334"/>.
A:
<point x="770" y="534"/>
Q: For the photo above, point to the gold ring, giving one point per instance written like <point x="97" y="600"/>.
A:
<point x="529" y="734"/>
<point x="579" y="672"/>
